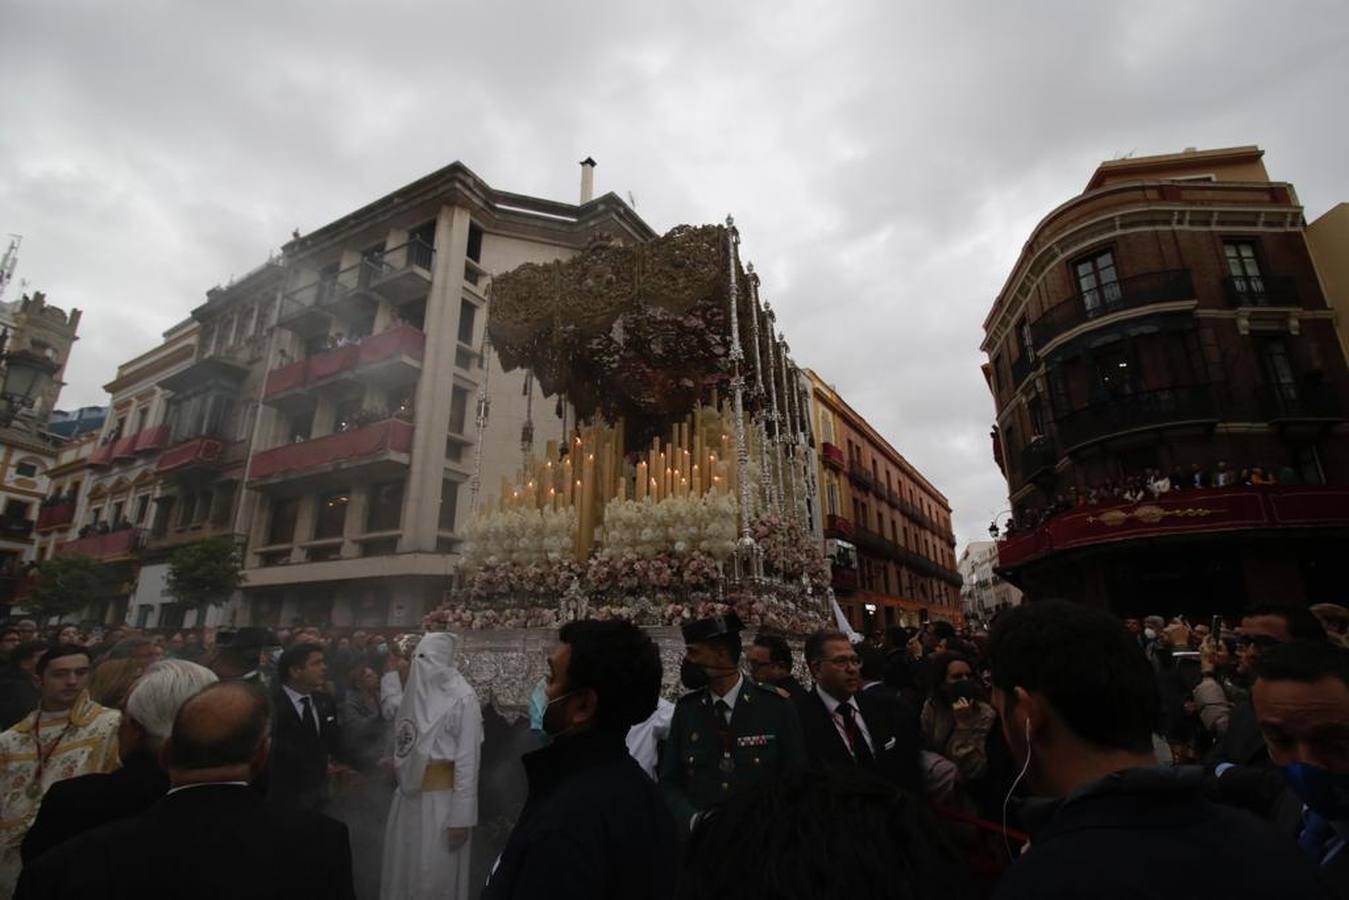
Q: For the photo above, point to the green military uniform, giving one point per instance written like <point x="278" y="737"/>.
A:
<point x="706" y="761"/>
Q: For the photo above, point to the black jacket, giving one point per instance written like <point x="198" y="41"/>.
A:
<point x="213" y="842"/>
<point x="594" y="827"/>
<point x="76" y="805"/>
<point x="297" y="773"/>
<point x="894" y="737"/>
<point x="18" y="695"/>
<point x="1149" y="833"/>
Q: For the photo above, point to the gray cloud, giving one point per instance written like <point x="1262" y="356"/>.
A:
<point x="885" y="161"/>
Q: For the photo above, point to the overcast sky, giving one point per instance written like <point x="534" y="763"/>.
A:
<point x="885" y="161"/>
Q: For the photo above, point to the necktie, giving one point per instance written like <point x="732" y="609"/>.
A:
<point x="307" y="716"/>
<point x="723" y="711"/>
<point x="857" y="743"/>
<point x="1316" y="834"/>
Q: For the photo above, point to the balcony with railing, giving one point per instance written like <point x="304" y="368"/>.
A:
<point x="377" y="449"/>
<point x="1260" y="290"/>
<point x="101" y="456"/>
<point x="832" y="455"/>
<point x="837" y="526"/>
<point x="1038" y="458"/>
<point x="113" y="545"/>
<point x="308" y="310"/>
<point x="56" y="515"/>
<point x="151" y="440"/>
<point x="1293" y="403"/>
<point x="13" y="528"/>
<point x="403" y="273"/>
<point x="1224" y="513"/>
<point x="1189" y="405"/>
<point x="844" y="579"/>
<point x="203" y="453"/>
<point x="861" y="476"/>
<point x="390" y="358"/>
<point x="1135" y="292"/>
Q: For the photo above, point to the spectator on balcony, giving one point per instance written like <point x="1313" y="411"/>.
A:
<point x="1258" y="474"/>
<point x="1200" y="477"/>
<point x="1158" y="483"/>
<point x="1179" y="479"/>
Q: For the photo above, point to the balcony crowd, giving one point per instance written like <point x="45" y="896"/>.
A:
<point x="1150" y="484"/>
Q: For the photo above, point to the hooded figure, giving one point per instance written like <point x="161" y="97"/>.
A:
<point x="437" y="744"/>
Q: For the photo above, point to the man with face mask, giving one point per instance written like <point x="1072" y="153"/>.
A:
<point x="728" y="733"/>
<point x="437" y="749"/>
<point x="1301" y="698"/>
<point x="1077" y="702"/>
<point x="594" y="827"/>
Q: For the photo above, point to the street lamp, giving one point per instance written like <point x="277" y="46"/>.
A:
<point x="26" y="376"/>
<point x="993" y="526"/>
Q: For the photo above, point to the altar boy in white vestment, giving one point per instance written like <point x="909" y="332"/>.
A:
<point x="437" y="748"/>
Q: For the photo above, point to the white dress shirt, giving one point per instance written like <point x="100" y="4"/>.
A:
<point x="729" y="697"/>
<point x="832" y="705"/>
<point x="297" y="700"/>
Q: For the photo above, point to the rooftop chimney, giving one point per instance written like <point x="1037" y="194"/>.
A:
<point x="587" y="180"/>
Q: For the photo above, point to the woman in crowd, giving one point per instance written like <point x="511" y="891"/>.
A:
<point x="956" y="719"/>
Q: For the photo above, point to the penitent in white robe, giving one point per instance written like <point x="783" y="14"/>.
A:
<point x="439" y="724"/>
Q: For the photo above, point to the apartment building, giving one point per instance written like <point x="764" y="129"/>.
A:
<point x="1165" y="331"/>
<point x="887" y="529"/>
<point x="363" y="418"/>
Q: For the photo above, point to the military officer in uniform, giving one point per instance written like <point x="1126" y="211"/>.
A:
<point x="728" y="733"/>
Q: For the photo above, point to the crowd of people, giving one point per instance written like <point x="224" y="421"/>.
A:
<point x="1061" y="753"/>
<point x="1151" y="484"/>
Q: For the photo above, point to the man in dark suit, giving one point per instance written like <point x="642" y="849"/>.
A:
<point x="210" y="837"/>
<point x="305" y="736"/>
<point x="845" y="728"/>
<point x="77" y="805"/>
<point x="770" y="663"/>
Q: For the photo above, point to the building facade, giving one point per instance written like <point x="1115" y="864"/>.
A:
<point x="27" y="451"/>
<point x="1328" y="240"/>
<point x="1165" y="328"/>
<point x="985" y="592"/>
<point x="363" y="413"/>
<point x="887" y="529"/>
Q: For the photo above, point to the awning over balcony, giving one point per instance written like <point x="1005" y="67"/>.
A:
<point x="57" y="515"/>
<point x="113" y="545"/>
<point x="377" y="356"/>
<point x="152" y="439"/>
<point x="392" y="436"/>
<point x="1185" y="513"/>
<point x="199" y="451"/>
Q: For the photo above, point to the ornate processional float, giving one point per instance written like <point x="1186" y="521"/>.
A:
<point x="682" y="484"/>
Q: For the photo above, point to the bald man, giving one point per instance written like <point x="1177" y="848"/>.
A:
<point x="212" y="836"/>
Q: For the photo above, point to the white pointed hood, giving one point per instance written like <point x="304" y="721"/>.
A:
<point x="435" y="691"/>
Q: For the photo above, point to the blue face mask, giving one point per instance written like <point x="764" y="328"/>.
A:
<point x="1326" y="793"/>
<point x="538" y="705"/>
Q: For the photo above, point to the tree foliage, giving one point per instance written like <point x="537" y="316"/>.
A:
<point x="67" y="582"/>
<point x="205" y="572"/>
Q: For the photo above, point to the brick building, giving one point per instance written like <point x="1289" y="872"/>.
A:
<point x="1169" y="321"/>
<point x="887" y="529"/>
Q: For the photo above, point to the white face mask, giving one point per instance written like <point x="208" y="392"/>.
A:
<point x="1150" y="634"/>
